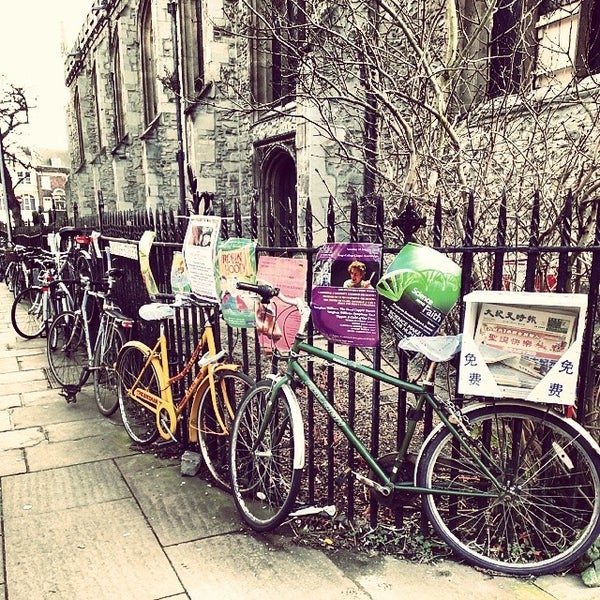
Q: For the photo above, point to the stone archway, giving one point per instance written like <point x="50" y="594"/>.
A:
<point x="278" y="197"/>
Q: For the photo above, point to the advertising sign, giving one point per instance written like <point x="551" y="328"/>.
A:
<point x="419" y="288"/>
<point x="236" y="261"/>
<point x="278" y="323"/>
<point x="344" y="302"/>
<point x="199" y="252"/>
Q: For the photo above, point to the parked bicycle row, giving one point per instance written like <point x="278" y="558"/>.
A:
<point x="508" y="486"/>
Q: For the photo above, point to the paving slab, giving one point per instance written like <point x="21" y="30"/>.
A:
<point x="48" y="455"/>
<point x="240" y="566"/>
<point x="10" y="401"/>
<point x="92" y="552"/>
<point x="12" y="462"/>
<point x="178" y="508"/>
<point x="76" y="532"/>
<point x="21" y="438"/>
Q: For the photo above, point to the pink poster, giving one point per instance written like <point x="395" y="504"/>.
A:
<point x="278" y="323"/>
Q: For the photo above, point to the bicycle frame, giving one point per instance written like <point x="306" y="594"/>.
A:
<point x="109" y="316"/>
<point x="448" y="415"/>
<point x="159" y="356"/>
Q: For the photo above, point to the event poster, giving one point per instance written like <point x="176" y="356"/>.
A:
<point x="199" y="254"/>
<point x="277" y="324"/>
<point x="236" y="261"/>
<point x="180" y="283"/>
<point x="419" y="288"/>
<point x="344" y="299"/>
<point x="144" y="248"/>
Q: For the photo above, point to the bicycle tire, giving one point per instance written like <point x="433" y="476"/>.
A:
<point x="138" y="420"/>
<point x="84" y="269"/>
<point x="547" y="512"/>
<point x="214" y="420"/>
<point x="108" y="343"/>
<point x="18" y="282"/>
<point x="66" y="350"/>
<point x="9" y="275"/>
<point x="26" y="313"/>
<point x="266" y="473"/>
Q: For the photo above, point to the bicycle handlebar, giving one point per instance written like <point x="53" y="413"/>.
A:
<point x="264" y="290"/>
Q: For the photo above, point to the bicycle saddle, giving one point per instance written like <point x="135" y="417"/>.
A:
<point x="156" y="311"/>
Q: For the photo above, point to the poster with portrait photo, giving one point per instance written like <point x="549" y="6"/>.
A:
<point x="344" y="301"/>
<point x="199" y="253"/>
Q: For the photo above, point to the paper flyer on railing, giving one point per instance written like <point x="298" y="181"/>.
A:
<point x="199" y="253"/>
<point x="278" y="323"/>
<point x="180" y="282"/>
<point x="236" y="261"/>
<point x="343" y="299"/>
<point x="419" y="288"/>
<point x="144" y="248"/>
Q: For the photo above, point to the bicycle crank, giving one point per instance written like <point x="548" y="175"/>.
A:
<point x="396" y="499"/>
<point x="166" y="421"/>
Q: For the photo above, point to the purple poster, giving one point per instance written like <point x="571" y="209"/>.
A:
<point x="344" y="299"/>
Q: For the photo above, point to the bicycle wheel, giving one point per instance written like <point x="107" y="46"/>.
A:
<point x="26" y="313"/>
<point x="109" y="342"/>
<point x="138" y="420"/>
<point x="66" y="350"/>
<point x="544" y="514"/>
<point x="267" y="457"/>
<point x="214" y="420"/>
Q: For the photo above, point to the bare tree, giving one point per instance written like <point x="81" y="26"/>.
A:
<point x="13" y="113"/>
<point x="427" y="98"/>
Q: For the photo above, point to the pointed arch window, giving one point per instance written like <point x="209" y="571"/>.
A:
<point x="192" y="49"/>
<point x="149" y="82"/>
<point x="117" y="93"/>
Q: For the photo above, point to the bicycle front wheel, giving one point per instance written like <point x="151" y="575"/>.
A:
<point x="267" y="456"/>
<point x="215" y="418"/>
<point x="66" y="350"/>
<point x="139" y="420"/>
<point x="532" y="507"/>
<point x="27" y="312"/>
<point x="109" y="342"/>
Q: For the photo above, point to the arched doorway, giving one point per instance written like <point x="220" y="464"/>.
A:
<point x="279" y="202"/>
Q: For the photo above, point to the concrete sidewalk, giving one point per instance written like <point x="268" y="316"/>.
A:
<point x="86" y="517"/>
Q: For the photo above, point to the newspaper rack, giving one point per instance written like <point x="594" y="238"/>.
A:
<point x="524" y="345"/>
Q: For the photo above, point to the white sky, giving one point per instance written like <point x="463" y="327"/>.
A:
<point x="30" y="57"/>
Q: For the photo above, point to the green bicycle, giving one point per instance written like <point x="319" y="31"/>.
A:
<point x="508" y="485"/>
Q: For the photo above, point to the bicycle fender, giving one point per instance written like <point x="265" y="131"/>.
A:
<point x="299" y="440"/>
<point x="193" y="419"/>
<point x="134" y="344"/>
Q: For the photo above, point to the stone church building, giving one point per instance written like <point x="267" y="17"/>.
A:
<point x="249" y="99"/>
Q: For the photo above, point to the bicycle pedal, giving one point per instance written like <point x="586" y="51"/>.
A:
<point x="69" y="394"/>
<point x="341" y="477"/>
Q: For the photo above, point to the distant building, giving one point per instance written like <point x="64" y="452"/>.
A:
<point x="39" y="182"/>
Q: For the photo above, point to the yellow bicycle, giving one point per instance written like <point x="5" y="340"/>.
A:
<point x="146" y="388"/>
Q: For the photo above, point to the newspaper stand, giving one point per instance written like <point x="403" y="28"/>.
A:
<point x="524" y="345"/>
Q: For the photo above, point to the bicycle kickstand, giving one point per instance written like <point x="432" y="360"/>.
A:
<point x="69" y="393"/>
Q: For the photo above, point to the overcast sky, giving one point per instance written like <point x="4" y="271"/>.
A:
<point x="30" y="57"/>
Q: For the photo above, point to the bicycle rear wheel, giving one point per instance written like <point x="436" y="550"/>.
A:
<point x="66" y="350"/>
<point x="109" y="342"/>
<point x="215" y="418"/>
<point x="267" y="457"/>
<point x="26" y="313"/>
<point x="139" y="421"/>
<point x="546" y="512"/>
